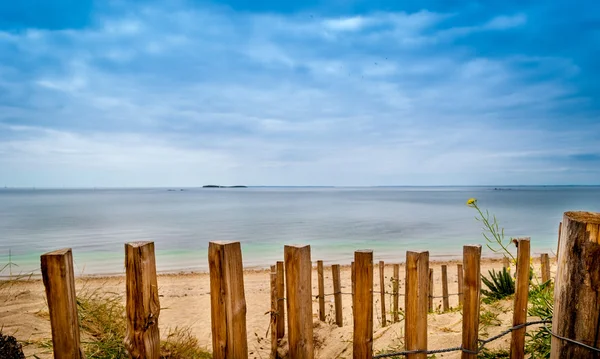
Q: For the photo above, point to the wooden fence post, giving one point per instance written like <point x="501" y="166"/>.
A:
<point x="321" y="281"/>
<point x="430" y="290"/>
<point x="416" y="301"/>
<point x="274" y="314"/>
<point x="142" y="338"/>
<point x="298" y="273"/>
<point x="445" y="301"/>
<point x="59" y="282"/>
<point x="227" y="300"/>
<point x="395" y="285"/>
<point x="517" y="343"/>
<point x="280" y="302"/>
<point x="545" y="264"/>
<point x="363" y="305"/>
<point x="576" y="286"/>
<point x="472" y="292"/>
<point x="382" y="290"/>
<point x="459" y="272"/>
<point x="337" y="294"/>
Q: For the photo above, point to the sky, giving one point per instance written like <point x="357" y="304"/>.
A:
<point x="338" y="92"/>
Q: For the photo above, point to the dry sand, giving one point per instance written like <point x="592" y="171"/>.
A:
<point x="185" y="301"/>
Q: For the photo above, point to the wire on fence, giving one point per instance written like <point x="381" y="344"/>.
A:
<point x="597" y="350"/>
<point x="482" y="341"/>
<point x="443" y="296"/>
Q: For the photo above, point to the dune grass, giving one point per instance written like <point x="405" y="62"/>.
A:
<point x="102" y="320"/>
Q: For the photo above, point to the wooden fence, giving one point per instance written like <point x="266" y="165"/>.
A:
<point x="578" y="276"/>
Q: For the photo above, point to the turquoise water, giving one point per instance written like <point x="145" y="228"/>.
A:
<point x="334" y="221"/>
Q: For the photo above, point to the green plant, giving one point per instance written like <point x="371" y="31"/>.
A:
<point x="487" y="318"/>
<point x="492" y="232"/>
<point x="541" y="298"/>
<point x="493" y="354"/>
<point x="500" y="285"/>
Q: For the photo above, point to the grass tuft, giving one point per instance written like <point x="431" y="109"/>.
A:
<point x="103" y="325"/>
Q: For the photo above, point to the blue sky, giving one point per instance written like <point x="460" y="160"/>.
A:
<point x="184" y="93"/>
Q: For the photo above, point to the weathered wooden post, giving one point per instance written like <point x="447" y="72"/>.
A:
<point x="59" y="282"/>
<point x="321" y="281"/>
<point x="395" y="285"/>
<point x="382" y="290"/>
<point x="472" y="292"/>
<point x="445" y="301"/>
<point x="280" y="302"/>
<point x="430" y="290"/>
<point x="227" y="300"/>
<point x="517" y="343"/>
<point x="274" y="314"/>
<point x="363" y="305"/>
<point x="142" y="338"/>
<point x="298" y="273"/>
<point x="416" y="300"/>
<point x="545" y="265"/>
<point x="337" y="294"/>
<point x="459" y="272"/>
<point x="577" y="287"/>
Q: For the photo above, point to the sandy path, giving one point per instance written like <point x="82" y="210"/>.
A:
<point x="185" y="300"/>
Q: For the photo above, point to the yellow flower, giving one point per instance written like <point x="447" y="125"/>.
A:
<point x="472" y="202"/>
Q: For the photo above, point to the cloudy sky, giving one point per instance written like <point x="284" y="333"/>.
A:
<point x="338" y="92"/>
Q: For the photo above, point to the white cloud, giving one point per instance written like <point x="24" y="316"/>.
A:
<point x="273" y="99"/>
<point x="506" y="22"/>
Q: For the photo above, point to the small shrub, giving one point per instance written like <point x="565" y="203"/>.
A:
<point x="181" y="344"/>
<point x="500" y="285"/>
<point x="541" y="298"/>
<point x="10" y="348"/>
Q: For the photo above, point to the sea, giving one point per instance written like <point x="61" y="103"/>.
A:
<point x="96" y="223"/>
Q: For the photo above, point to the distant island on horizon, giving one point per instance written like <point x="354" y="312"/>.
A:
<point x="218" y="186"/>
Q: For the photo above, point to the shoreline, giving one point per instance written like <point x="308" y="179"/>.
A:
<point x="435" y="259"/>
<point x="251" y="269"/>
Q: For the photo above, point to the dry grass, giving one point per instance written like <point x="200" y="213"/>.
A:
<point x="102" y="320"/>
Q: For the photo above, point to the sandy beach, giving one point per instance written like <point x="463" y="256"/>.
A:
<point x="185" y="301"/>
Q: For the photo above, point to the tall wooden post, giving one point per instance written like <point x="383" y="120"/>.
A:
<point x="142" y="338"/>
<point x="382" y="290"/>
<point x="321" y="281"/>
<point x="280" y="302"/>
<point x="445" y="301"/>
<point x="430" y="290"/>
<point x="59" y="282"/>
<point x="274" y="314"/>
<point x="459" y="272"/>
<point x="545" y="265"/>
<point x="337" y="296"/>
<point x="517" y="344"/>
<point x="395" y="285"/>
<point x="227" y="300"/>
<point x="416" y="300"/>
<point x="472" y="292"/>
<point x="363" y="305"/>
<point x="577" y="287"/>
<point x="298" y="273"/>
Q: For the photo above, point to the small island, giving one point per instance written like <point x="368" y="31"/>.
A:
<point x="217" y="186"/>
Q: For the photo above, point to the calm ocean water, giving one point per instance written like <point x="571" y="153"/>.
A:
<point x="334" y="221"/>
